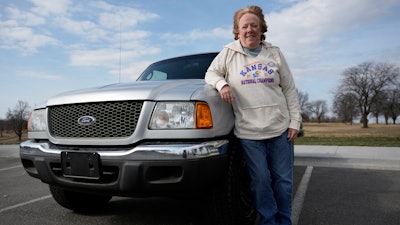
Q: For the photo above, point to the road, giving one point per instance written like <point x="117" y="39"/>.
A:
<point x="323" y="195"/>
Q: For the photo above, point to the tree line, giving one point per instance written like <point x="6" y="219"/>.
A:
<point x="369" y="88"/>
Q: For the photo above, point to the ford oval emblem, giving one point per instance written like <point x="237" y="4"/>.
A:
<point x="86" y="120"/>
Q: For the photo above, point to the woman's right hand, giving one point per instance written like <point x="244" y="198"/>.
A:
<point x="227" y="94"/>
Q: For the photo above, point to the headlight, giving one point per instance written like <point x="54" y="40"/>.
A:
<point x="37" y="121"/>
<point x="181" y="115"/>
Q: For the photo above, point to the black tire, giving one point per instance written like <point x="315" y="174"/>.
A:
<point x="232" y="201"/>
<point x="79" y="202"/>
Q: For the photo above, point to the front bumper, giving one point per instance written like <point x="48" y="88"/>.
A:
<point x="148" y="169"/>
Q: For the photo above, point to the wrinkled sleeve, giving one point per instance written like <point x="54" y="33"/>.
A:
<point x="290" y="92"/>
<point x="217" y="71"/>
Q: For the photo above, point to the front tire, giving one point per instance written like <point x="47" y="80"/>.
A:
<point x="79" y="202"/>
<point x="232" y="200"/>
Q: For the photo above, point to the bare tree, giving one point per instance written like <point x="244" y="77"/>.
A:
<point x="345" y="107"/>
<point x="319" y="108"/>
<point x="379" y="105"/>
<point x="17" y="117"/>
<point x="2" y="127"/>
<point x="303" y="102"/>
<point x="392" y="106"/>
<point x="366" y="81"/>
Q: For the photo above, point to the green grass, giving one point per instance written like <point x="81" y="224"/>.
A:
<point x="350" y="141"/>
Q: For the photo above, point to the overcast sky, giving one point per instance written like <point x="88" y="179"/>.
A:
<point x="52" y="46"/>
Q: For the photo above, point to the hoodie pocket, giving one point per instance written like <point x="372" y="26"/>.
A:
<point x="263" y="119"/>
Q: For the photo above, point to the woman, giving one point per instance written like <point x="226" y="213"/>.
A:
<point x="253" y="76"/>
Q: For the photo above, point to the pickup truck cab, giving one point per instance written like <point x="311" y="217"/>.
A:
<point x="167" y="134"/>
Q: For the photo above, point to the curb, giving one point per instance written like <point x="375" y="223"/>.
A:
<point x="381" y="158"/>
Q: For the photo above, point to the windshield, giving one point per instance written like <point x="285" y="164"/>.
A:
<point x="185" y="67"/>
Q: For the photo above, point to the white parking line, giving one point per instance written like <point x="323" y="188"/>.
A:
<point x="300" y="195"/>
<point x="9" y="168"/>
<point x="25" y="203"/>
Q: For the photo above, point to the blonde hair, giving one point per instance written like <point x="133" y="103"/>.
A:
<point x="256" y="10"/>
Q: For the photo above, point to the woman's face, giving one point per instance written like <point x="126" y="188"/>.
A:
<point x="249" y="31"/>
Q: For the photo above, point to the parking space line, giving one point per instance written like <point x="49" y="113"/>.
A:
<point x="300" y="195"/>
<point x="25" y="203"/>
<point x="9" y="168"/>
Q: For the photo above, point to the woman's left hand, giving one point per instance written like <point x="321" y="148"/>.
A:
<point x="292" y="134"/>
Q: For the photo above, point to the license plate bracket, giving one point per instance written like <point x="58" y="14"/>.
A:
<point x="84" y="165"/>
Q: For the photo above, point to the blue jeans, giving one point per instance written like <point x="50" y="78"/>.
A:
<point x="270" y="165"/>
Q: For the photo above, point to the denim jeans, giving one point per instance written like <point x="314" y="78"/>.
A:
<point x="270" y="165"/>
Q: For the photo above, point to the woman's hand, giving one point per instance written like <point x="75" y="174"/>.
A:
<point x="292" y="134"/>
<point x="227" y="94"/>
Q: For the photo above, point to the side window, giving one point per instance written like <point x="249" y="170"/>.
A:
<point x="156" y="75"/>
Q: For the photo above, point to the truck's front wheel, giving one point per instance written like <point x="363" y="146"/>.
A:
<point x="232" y="200"/>
<point x="78" y="201"/>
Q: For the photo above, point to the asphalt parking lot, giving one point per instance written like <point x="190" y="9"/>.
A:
<point x="331" y="187"/>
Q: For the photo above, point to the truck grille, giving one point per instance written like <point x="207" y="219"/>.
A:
<point x="112" y="119"/>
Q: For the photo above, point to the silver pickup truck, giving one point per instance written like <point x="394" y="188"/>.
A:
<point x="167" y="134"/>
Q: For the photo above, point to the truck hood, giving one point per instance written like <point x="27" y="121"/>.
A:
<point x="140" y="90"/>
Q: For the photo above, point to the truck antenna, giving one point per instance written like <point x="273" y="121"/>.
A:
<point x="120" y="50"/>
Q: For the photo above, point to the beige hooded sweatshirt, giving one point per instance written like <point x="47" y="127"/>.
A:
<point x="266" y="100"/>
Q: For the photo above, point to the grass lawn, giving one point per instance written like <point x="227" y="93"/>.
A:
<point x="350" y="135"/>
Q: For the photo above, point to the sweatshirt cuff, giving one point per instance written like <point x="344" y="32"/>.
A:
<point x="220" y="84"/>
<point x="295" y="125"/>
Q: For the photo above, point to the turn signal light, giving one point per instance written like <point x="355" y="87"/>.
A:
<point x="203" y="116"/>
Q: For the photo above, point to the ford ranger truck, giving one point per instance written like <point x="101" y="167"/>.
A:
<point x="166" y="134"/>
